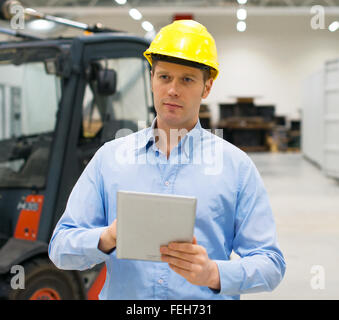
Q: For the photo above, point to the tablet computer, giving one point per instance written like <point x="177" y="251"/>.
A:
<point x="146" y="221"/>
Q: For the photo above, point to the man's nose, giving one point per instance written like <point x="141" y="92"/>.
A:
<point x="174" y="89"/>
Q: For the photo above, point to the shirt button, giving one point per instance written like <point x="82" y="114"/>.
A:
<point x="167" y="183"/>
<point x="160" y="281"/>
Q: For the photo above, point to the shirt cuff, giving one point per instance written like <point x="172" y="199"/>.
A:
<point x="90" y="247"/>
<point x="231" y="277"/>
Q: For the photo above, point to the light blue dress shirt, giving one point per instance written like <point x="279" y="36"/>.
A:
<point x="233" y="213"/>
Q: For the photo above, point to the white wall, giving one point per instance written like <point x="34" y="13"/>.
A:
<point x="270" y="60"/>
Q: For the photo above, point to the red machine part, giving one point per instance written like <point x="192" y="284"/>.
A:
<point x="183" y="16"/>
<point x="93" y="292"/>
<point x="45" y="294"/>
<point x="28" y="222"/>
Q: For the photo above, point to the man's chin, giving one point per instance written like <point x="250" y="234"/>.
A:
<point x="173" y="121"/>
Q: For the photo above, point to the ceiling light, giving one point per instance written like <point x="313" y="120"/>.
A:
<point x="241" y="14"/>
<point x="242" y="1"/>
<point x="241" y="26"/>
<point x="147" y="26"/>
<point x="121" y="2"/>
<point x="30" y="10"/>
<point x="41" y="25"/>
<point x="135" y="14"/>
<point x="333" y="26"/>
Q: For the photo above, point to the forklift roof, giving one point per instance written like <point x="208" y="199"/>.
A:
<point x="31" y="51"/>
<point x="39" y="50"/>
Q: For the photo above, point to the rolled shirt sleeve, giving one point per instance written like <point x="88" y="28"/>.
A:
<point x="74" y="243"/>
<point x="261" y="266"/>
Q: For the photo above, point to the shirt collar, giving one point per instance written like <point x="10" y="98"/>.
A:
<point x="195" y="136"/>
<point x="147" y="137"/>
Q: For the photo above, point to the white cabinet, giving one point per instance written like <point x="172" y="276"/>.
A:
<point x="320" y="118"/>
<point x="331" y="118"/>
<point x="312" y="115"/>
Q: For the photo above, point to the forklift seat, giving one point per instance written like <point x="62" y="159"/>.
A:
<point x="35" y="169"/>
<point x="33" y="172"/>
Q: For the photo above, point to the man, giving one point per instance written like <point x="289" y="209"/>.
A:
<point x="176" y="156"/>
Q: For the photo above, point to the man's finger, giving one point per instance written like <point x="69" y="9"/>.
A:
<point x="184" y="247"/>
<point x="184" y="273"/>
<point x="178" y="254"/>
<point x="183" y="264"/>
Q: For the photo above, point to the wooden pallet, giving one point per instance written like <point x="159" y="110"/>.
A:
<point x="254" y="148"/>
<point x="245" y="123"/>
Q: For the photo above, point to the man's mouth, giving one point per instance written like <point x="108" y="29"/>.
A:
<point x="172" y="105"/>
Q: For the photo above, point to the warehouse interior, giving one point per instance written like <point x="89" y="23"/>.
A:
<point x="276" y="98"/>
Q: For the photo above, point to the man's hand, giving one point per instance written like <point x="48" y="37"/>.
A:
<point x="191" y="261"/>
<point x="108" y="238"/>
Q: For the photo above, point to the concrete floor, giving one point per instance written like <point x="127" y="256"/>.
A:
<point x="305" y="204"/>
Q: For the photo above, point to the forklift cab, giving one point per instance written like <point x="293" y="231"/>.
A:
<point x="60" y="101"/>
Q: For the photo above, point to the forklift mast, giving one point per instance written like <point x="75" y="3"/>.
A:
<point x="60" y="101"/>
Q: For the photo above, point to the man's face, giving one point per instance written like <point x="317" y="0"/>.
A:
<point x="177" y="92"/>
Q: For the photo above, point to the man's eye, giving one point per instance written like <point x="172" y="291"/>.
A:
<point x="186" y="79"/>
<point x="163" y="76"/>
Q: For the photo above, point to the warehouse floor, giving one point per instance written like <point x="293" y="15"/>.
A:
<point x="305" y="204"/>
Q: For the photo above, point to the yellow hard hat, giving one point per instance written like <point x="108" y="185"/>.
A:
<point x="187" y="40"/>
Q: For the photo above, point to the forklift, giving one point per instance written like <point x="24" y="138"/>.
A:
<point x="61" y="99"/>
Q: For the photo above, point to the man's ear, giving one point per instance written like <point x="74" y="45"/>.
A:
<point x="207" y="88"/>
